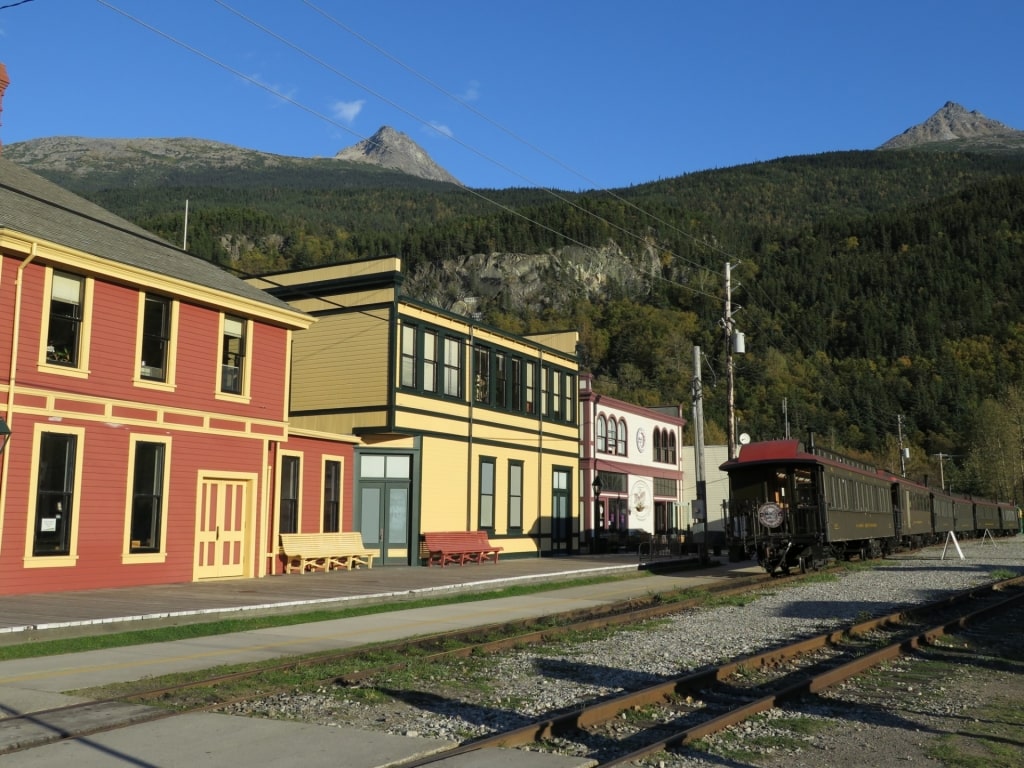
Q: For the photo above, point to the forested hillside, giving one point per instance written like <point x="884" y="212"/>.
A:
<point x="870" y="285"/>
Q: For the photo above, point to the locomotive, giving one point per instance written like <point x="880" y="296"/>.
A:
<point x="796" y="507"/>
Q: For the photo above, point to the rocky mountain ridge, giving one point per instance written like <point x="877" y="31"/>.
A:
<point x="951" y="127"/>
<point x="393" y="149"/>
<point x="78" y="156"/>
<point x="952" y="123"/>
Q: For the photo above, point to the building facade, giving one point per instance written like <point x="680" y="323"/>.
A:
<point x="461" y="426"/>
<point x="631" y="470"/>
<point x="147" y="395"/>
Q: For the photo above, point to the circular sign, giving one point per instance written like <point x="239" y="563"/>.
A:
<point x="744" y="438"/>
<point x="641" y="439"/>
<point x="770" y="515"/>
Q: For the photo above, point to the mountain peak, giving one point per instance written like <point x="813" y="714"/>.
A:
<point x="950" y="123"/>
<point x="393" y="149"/>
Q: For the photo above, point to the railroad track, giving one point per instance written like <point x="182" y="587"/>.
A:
<point x="709" y="701"/>
<point x="22" y="731"/>
<point x="651" y="734"/>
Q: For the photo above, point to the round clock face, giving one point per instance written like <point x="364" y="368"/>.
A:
<point x="641" y="440"/>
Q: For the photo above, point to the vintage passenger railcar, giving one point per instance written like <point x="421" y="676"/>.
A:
<point x="797" y="508"/>
<point x="792" y="507"/>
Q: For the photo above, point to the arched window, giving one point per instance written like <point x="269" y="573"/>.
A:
<point x="657" y="444"/>
<point x="670" y="448"/>
<point x="602" y="435"/>
<point x="622" y="438"/>
<point x="612" y="435"/>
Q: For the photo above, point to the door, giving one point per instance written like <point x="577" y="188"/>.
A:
<point x="385" y="507"/>
<point x="384" y="519"/>
<point x="222" y="527"/>
<point x="561" y="522"/>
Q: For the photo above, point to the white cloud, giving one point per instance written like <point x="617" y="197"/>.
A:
<point x="441" y="128"/>
<point x="348" y="110"/>
<point x="472" y="92"/>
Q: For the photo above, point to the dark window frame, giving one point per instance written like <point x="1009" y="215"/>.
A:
<point x="233" y="348"/>
<point x="156" y="338"/>
<point x="150" y="464"/>
<point x="66" y="322"/>
<point x="332" y="496"/>
<point x="288" y="494"/>
<point x="55" y="494"/>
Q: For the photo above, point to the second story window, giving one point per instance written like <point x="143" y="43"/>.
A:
<point x="232" y="355"/>
<point x="602" y="434"/>
<point x="481" y="374"/>
<point x="156" y="332"/>
<point x="531" y="387"/>
<point x="408" y="367"/>
<point x="429" y="361"/>
<point x="500" y="380"/>
<point x="452" y="367"/>
<point x="66" y="314"/>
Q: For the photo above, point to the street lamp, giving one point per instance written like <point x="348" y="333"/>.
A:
<point x="597" y="508"/>
<point x="5" y="434"/>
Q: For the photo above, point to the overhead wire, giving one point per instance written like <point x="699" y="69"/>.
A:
<point x="554" y="193"/>
<point x="702" y="243"/>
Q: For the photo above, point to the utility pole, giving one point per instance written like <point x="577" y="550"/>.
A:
<point x="700" y="513"/>
<point x="903" y="456"/>
<point x="730" y="420"/>
<point x="942" y="473"/>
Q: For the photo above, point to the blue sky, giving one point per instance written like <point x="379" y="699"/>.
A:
<point x="567" y="94"/>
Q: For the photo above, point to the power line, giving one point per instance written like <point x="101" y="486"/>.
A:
<point x="335" y="123"/>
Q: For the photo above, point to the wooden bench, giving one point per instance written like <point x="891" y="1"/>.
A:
<point x="459" y="547"/>
<point x="304" y="552"/>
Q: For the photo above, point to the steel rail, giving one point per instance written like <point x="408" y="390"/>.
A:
<point x="661" y="693"/>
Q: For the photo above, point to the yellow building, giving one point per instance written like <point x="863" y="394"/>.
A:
<point x="461" y="426"/>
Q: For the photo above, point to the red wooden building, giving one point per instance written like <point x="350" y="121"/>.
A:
<point x="147" y="393"/>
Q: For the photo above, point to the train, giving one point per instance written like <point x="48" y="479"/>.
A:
<point x="797" y="507"/>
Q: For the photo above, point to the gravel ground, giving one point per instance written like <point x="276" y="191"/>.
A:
<point x="868" y="722"/>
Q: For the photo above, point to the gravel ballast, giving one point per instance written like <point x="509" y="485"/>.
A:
<point x="860" y="724"/>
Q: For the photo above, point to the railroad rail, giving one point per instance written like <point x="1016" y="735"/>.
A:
<point x="88" y="718"/>
<point x="754" y="700"/>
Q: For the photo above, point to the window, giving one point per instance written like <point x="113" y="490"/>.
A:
<point x="602" y="435"/>
<point x="55" y="486"/>
<point x="670" y="447"/>
<point x="232" y="355"/>
<point x="556" y="394"/>
<point x="613" y="431"/>
<point x="408" y="365"/>
<point x="658" y="455"/>
<point x="332" y="496"/>
<point x="621" y="446"/>
<point x="156" y="333"/>
<point x="288" y="509"/>
<point x="515" y="495"/>
<point x="500" y="380"/>
<point x="486" y="493"/>
<point x="429" y="361"/>
<point x="545" y="388"/>
<point x="569" y="406"/>
<point x="147" y="497"/>
<point x="66" y="313"/>
<point x="531" y="387"/>
<point x="481" y="375"/>
<point x="516" y="379"/>
<point x="453" y="367"/>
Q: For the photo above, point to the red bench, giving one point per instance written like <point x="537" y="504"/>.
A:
<point x="459" y="547"/>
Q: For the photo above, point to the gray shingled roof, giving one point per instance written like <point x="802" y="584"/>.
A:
<point x="39" y="208"/>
